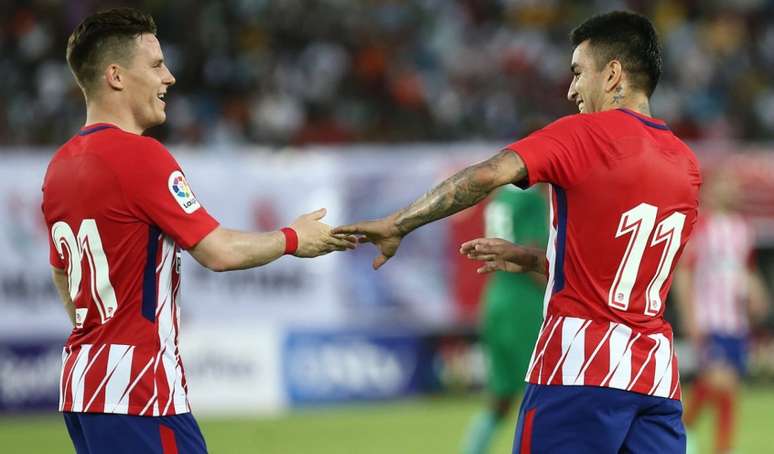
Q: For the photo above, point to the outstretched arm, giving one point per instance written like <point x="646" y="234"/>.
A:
<point x="464" y="189"/>
<point x="226" y="249"/>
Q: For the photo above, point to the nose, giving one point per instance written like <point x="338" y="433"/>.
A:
<point x="169" y="79"/>
<point x="572" y="93"/>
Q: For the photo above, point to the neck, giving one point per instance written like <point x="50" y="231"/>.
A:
<point x="99" y="112"/>
<point x="636" y="102"/>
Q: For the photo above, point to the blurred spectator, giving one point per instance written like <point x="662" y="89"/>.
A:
<point x="333" y="71"/>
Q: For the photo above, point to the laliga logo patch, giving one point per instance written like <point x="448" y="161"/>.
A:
<point x="182" y="192"/>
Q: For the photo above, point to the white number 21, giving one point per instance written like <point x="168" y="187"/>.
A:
<point x="87" y="244"/>
<point x="639" y="222"/>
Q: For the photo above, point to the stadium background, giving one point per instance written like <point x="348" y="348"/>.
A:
<point x="281" y="107"/>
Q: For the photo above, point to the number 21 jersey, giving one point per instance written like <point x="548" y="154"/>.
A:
<point x="118" y="210"/>
<point x="624" y="193"/>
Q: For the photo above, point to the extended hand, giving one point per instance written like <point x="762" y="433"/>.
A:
<point x="501" y="255"/>
<point x="315" y="238"/>
<point x="382" y="233"/>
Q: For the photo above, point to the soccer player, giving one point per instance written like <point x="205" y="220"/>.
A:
<point x="512" y="311"/>
<point x="718" y="290"/>
<point x="119" y="210"/>
<point x="603" y="377"/>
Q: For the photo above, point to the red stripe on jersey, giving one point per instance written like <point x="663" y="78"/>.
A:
<point x="552" y="356"/>
<point x="643" y="365"/>
<point x="163" y="391"/>
<point x="598" y="350"/>
<point x="94" y="389"/>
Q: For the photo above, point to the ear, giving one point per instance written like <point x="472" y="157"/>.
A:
<point x="613" y="76"/>
<point x="114" y="77"/>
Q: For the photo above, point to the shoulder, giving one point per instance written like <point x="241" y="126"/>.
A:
<point x="572" y="122"/>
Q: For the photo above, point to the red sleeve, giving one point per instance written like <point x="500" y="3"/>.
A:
<point x="557" y="153"/>
<point x="159" y="194"/>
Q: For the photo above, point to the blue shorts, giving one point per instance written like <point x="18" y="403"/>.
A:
<point x="97" y="433"/>
<point x="594" y="420"/>
<point x="729" y="350"/>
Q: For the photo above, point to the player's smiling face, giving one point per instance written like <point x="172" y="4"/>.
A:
<point x="588" y="83"/>
<point x="147" y="81"/>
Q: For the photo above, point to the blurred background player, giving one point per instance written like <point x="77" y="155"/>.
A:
<point x="512" y="310"/>
<point x="603" y="376"/>
<point x="118" y="210"/>
<point x="719" y="291"/>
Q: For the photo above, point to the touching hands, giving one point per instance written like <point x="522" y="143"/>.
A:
<point x="502" y="255"/>
<point x="315" y="238"/>
<point x="382" y="232"/>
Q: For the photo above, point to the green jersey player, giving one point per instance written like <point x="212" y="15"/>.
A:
<point x="512" y="309"/>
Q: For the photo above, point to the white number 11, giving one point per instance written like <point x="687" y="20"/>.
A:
<point x="639" y="222"/>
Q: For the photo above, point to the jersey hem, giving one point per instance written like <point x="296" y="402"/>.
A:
<point x="572" y="378"/>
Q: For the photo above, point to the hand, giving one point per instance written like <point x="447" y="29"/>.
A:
<point x="382" y="233"/>
<point x="503" y="256"/>
<point x="315" y="237"/>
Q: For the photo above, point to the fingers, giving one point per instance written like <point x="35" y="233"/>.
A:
<point x="348" y="229"/>
<point x="379" y="261"/>
<point x="468" y="246"/>
<point x="342" y="243"/>
<point x="317" y="215"/>
<point x="487" y="268"/>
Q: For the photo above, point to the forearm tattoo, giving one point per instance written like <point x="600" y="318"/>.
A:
<point x="464" y="189"/>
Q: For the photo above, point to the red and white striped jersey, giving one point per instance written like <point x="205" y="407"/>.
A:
<point x="720" y="255"/>
<point x="624" y="194"/>
<point x="118" y="209"/>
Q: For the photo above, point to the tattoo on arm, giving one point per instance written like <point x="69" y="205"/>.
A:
<point x="464" y="189"/>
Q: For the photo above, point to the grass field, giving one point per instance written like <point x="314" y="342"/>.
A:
<point x="426" y="426"/>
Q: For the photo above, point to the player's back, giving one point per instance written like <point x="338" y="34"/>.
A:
<point x="624" y="201"/>
<point x="117" y="237"/>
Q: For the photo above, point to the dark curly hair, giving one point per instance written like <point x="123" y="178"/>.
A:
<point x="104" y="36"/>
<point x="627" y="37"/>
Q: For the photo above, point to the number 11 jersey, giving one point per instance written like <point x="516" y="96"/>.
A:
<point x="624" y="193"/>
<point x="118" y="210"/>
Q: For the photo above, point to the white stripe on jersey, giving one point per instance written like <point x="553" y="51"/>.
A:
<point x="579" y="379"/>
<point x="662" y="380"/>
<point x="550" y="252"/>
<point x="65" y="357"/>
<point x="620" y="357"/>
<point x="78" y="370"/>
<point x="119" y="370"/>
<point x="574" y="348"/>
<point x="168" y="329"/>
<point x="539" y="356"/>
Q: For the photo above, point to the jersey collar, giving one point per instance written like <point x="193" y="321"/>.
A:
<point x="647" y="121"/>
<point x="96" y="127"/>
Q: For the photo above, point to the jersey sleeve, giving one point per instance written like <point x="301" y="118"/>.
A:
<point x="558" y="153"/>
<point x="159" y="194"/>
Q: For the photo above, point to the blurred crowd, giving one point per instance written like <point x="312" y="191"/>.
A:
<point x="337" y="71"/>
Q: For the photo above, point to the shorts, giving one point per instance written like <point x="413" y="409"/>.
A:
<point x="97" y="433"/>
<point x="595" y="420"/>
<point x="729" y="350"/>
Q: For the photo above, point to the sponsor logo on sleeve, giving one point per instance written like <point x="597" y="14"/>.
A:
<point x="182" y="192"/>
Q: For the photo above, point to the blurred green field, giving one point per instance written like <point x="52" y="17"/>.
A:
<point x="428" y="425"/>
